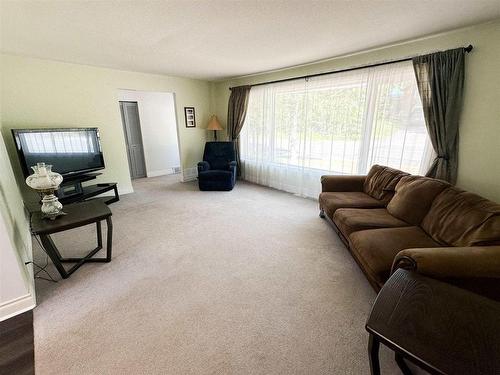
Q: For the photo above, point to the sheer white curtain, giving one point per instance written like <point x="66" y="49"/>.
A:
<point x="341" y="123"/>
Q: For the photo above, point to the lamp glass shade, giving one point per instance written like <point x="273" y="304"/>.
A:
<point x="45" y="181"/>
<point x="214" y="124"/>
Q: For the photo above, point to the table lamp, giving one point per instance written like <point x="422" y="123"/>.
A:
<point x="214" y="124"/>
<point x="46" y="182"/>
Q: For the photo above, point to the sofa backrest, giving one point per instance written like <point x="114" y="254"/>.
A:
<point x="413" y="197"/>
<point x="219" y="154"/>
<point x="460" y="218"/>
<point x="381" y="181"/>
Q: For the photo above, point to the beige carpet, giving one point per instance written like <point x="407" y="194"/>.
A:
<point x="244" y="282"/>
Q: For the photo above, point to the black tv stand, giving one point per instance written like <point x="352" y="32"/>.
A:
<point x="82" y="177"/>
<point x="72" y="191"/>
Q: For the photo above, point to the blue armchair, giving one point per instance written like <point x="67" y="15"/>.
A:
<point x="217" y="171"/>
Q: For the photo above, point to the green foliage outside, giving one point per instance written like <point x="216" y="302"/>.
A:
<point x="333" y="114"/>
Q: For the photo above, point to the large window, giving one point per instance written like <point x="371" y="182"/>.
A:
<point x="341" y="123"/>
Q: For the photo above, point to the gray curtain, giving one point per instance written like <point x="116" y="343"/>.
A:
<point x="236" y="113"/>
<point x="440" y="80"/>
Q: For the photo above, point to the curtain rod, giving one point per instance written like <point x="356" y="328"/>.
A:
<point x="467" y="49"/>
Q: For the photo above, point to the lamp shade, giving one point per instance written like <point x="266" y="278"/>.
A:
<point x="214" y="124"/>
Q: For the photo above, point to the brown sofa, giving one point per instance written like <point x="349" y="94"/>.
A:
<point x="391" y="219"/>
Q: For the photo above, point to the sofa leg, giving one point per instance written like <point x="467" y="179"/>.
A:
<point x="321" y="213"/>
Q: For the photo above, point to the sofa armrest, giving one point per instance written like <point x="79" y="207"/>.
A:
<point x="451" y="262"/>
<point x="203" y="166"/>
<point x="342" y="183"/>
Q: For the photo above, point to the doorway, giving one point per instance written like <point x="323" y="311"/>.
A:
<point x="133" y="137"/>
<point x="155" y="112"/>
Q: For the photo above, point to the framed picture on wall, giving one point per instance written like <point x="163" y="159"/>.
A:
<point x="190" y="117"/>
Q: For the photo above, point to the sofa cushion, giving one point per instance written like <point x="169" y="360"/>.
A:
<point x="414" y="196"/>
<point x="375" y="249"/>
<point x="349" y="220"/>
<point x="331" y="201"/>
<point x="460" y="218"/>
<point x="381" y="181"/>
<point x="214" y="175"/>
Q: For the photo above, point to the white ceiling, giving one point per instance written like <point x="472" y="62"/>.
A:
<point x="221" y="38"/>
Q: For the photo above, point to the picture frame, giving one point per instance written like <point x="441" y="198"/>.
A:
<point x="190" y="117"/>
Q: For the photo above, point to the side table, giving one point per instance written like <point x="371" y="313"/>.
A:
<point x="437" y="326"/>
<point x="78" y="215"/>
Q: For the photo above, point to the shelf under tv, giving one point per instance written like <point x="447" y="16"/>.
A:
<point x="72" y="191"/>
<point x="81" y="177"/>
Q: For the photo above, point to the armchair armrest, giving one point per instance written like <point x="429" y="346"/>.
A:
<point x="203" y="166"/>
<point x="342" y="183"/>
<point x="232" y="165"/>
<point x="451" y="262"/>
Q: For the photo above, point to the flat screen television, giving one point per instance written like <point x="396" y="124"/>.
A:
<point x="71" y="151"/>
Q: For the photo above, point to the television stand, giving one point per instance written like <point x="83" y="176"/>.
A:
<point x="72" y="191"/>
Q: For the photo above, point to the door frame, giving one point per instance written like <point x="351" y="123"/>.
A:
<point x="178" y="126"/>
<point x="177" y="130"/>
<point x="127" y="145"/>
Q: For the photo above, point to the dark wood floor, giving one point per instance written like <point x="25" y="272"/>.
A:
<point x="17" y="353"/>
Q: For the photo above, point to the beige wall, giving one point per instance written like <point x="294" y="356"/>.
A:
<point x="479" y="168"/>
<point x="41" y="93"/>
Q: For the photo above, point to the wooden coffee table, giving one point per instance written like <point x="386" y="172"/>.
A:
<point x="78" y="215"/>
<point x="439" y="327"/>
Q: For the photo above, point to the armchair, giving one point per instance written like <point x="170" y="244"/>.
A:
<point x="217" y="171"/>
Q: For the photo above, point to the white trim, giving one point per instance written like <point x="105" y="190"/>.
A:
<point x="161" y="172"/>
<point x="28" y="263"/>
<point x="177" y="131"/>
<point x="189" y="174"/>
<point x="17" y="306"/>
<point x="123" y="191"/>
<point x="25" y="299"/>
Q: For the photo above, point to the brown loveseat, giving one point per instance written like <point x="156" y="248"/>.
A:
<point x="391" y="219"/>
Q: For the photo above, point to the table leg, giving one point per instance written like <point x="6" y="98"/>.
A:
<point x="99" y="234"/>
<point x="53" y="253"/>
<point x="115" y="189"/>
<point x="109" y="245"/>
<point x="402" y="364"/>
<point x="373" y="348"/>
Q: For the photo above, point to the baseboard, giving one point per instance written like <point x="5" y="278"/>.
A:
<point x="189" y="174"/>
<point x="21" y="304"/>
<point x="28" y="263"/>
<point x="123" y="191"/>
<point x="16" y="306"/>
<point x="26" y="302"/>
<point x="163" y="172"/>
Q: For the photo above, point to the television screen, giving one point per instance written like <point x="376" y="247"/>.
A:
<point x="70" y="151"/>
